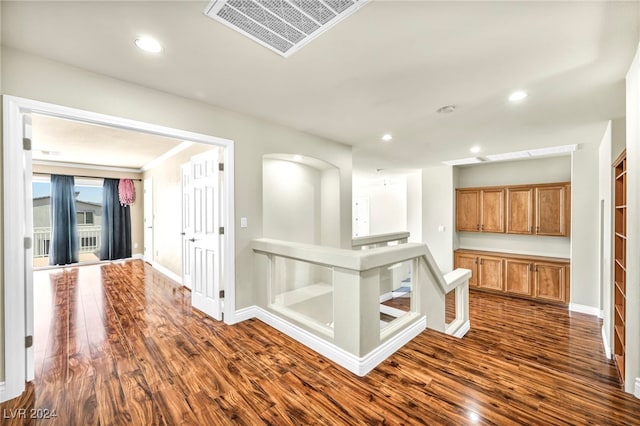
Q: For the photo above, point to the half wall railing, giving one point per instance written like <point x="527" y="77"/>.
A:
<point x="336" y="298"/>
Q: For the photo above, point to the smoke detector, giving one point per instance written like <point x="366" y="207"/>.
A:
<point x="283" y="26"/>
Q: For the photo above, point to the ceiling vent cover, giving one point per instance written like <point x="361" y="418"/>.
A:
<point x="283" y="26"/>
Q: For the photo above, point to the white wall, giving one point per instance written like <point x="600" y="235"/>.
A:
<point x="2" y="376"/>
<point x="414" y="206"/>
<point x="585" y="207"/>
<point x="438" y="202"/>
<point x="387" y="202"/>
<point x="605" y="247"/>
<point x="37" y="78"/>
<point x="330" y="208"/>
<point x="167" y="208"/>
<point x="543" y="170"/>
<point x="291" y="201"/>
<point x="632" y="367"/>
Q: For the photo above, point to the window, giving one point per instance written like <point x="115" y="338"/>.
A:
<point x="85" y="218"/>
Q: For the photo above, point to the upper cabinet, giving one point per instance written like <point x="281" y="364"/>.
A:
<point x="552" y="206"/>
<point x="529" y="209"/>
<point x="480" y="210"/>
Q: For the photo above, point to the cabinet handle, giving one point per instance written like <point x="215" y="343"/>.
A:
<point x="482" y="227"/>
<point x="537" y="229"/>
<point x="530" y="267"/>
<point x="477" y="227"/>
<point x="481" y="261"/>
<point x="475" y="260"/>
<point x="536" y="268"/>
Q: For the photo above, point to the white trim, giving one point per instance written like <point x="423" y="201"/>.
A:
<point x="85" y="166"/>
<point x="605" y="343"/>
<point x="386" y="296"/>
<point x="173" y="151"/>
<point x="636" y="392"/>
<point x="13" y="185"/>
<point x="242" y="315"/>
<point x="138" y="256"/>
<point x="357" y="365"/>
<point x="163" y="270"/>
<point x="14" y="255"/>
<point x="463" y="330"/>
<point x="584" y="309"/>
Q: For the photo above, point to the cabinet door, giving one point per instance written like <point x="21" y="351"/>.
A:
<point x="518" y="277"/>
<point x="551" y="210"/>
<point x="492" y="210"/>
<point x="490" y="273"/>
<point x="468" y="261"/>
<point x="468" y="210"/>
<point x="520" y="210"/>
<point x="550" y="282"/>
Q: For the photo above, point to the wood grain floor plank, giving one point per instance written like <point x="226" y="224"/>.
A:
<point x="120" y="343"/>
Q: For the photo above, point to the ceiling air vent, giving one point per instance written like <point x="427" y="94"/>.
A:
<point x="283" y="26"/>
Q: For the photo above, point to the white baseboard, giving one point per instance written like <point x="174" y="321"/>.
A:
<point x="357" y="365"/>
<point x="138" y="256"/>
<point x="242" y="315"/>
<point x="463" y="330"/>
<point x="175" y="277"/>
<point x="386" y="296"/>
<point x="636" y="391"/>
<point x="605" y="343"/>
<point x="584" y="309"/>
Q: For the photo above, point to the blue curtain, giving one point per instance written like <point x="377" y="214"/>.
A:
<point x="64" y="223"/>
<point x="116" y="224"/>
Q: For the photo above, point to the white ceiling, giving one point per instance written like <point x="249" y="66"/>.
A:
<point x="387" y="68"/>
<point x="81" y="143"/>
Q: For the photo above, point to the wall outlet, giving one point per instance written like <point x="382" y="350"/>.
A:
<point x="135" y="245"/>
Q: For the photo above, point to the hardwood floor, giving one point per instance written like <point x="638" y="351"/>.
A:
<point x="120" y="344"/>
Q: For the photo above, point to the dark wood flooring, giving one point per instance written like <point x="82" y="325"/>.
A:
<point x="120" y="344"/>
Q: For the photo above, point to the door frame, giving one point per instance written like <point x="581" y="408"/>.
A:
<point x="148" y="238"/>
<point x="16" y="305"/>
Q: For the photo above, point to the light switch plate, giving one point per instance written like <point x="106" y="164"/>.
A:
<point x="243" y="222"/>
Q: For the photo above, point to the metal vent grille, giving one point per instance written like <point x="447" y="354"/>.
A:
<point x="283" y="26"/>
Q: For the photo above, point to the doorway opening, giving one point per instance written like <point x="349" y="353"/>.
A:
<point x="19" y="227"/>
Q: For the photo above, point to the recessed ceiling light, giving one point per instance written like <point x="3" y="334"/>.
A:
<point x="518" y="95"/>
<point x="387" y="137"/>
<point x="149" y="44"/>
<point x="446" y="109"/>
<point x="475" y="149"/>
<point x="297" y="157"/>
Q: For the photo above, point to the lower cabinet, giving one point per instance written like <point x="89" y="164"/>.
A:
<point x="536" y="277"/>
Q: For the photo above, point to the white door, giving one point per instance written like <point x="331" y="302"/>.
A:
<point x="187" y="223"/>
<point x="361" y="217"/>
<point x="148" y="219"/>
<point x="205" y="238"/>
<point x="28" y="255"/>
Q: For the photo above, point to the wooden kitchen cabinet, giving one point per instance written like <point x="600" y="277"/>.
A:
<point x="468" y="210"/>
<point x="542" y="209"/>
<point x="534" y="277"/>
<point x="551" y="210"/>
<point x="480" y="210"/>
<point x="490" y="274"/>
<point x="520" y="210"/>
<point x="519" y="276"/>
<point x="468" y="261"/>
<point x="550" y="282"/>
